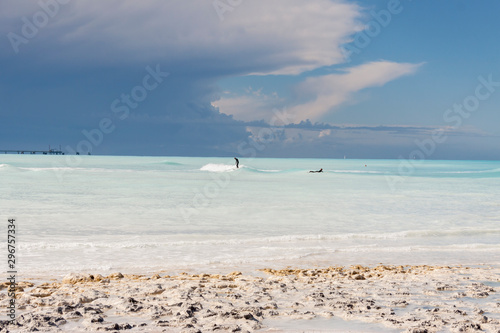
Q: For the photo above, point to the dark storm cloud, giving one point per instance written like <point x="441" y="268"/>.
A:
<point x="66" y="62"/>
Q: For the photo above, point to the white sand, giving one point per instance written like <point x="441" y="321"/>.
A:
<point x="355" y="299"/>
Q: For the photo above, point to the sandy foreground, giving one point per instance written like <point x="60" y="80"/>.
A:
<point x="336" y="299"/>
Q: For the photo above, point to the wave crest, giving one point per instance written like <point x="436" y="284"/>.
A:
<point x="218" y="167"/>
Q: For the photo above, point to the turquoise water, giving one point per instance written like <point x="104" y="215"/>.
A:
<point x="145" y="214"/>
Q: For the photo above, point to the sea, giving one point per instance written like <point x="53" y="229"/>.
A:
<point x="131" y="214"/>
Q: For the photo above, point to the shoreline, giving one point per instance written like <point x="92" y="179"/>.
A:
<point x="381" y="298"/>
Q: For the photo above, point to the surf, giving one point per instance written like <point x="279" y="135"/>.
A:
<point x="213" y="167"/>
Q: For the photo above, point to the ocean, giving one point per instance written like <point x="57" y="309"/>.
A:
<point x="105" y="214"/>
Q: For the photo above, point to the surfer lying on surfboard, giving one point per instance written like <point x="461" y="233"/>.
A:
<point x="320" y="170"/>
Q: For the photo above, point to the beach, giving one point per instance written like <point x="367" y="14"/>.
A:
<point x="334" y="299"/>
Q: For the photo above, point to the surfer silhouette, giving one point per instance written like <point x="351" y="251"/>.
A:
<point x="237" y="162"/>
<point x="320" y="170"/>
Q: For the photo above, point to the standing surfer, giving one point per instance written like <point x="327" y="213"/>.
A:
<point x="237" y="162"/>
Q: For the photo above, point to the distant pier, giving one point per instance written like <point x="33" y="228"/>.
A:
<point x="32" y="152"/>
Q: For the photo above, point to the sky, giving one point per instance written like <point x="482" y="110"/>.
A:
<point x="407" y="79"/>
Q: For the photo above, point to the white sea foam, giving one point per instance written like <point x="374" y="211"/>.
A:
<point x="7" y="167"/>
<point x="218" y="167"/>
<point x="265" y="242"/>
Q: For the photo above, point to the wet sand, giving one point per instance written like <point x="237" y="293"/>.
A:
<point x="414" y="299"/>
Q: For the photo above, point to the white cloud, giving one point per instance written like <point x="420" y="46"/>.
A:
<point x="324" y="93"/>
<point x="258" y="36"/>
<point x="254" y="105"/>
<point x="324" y="133"/>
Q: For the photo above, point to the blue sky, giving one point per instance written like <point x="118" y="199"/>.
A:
<point x="366" y="79"/>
